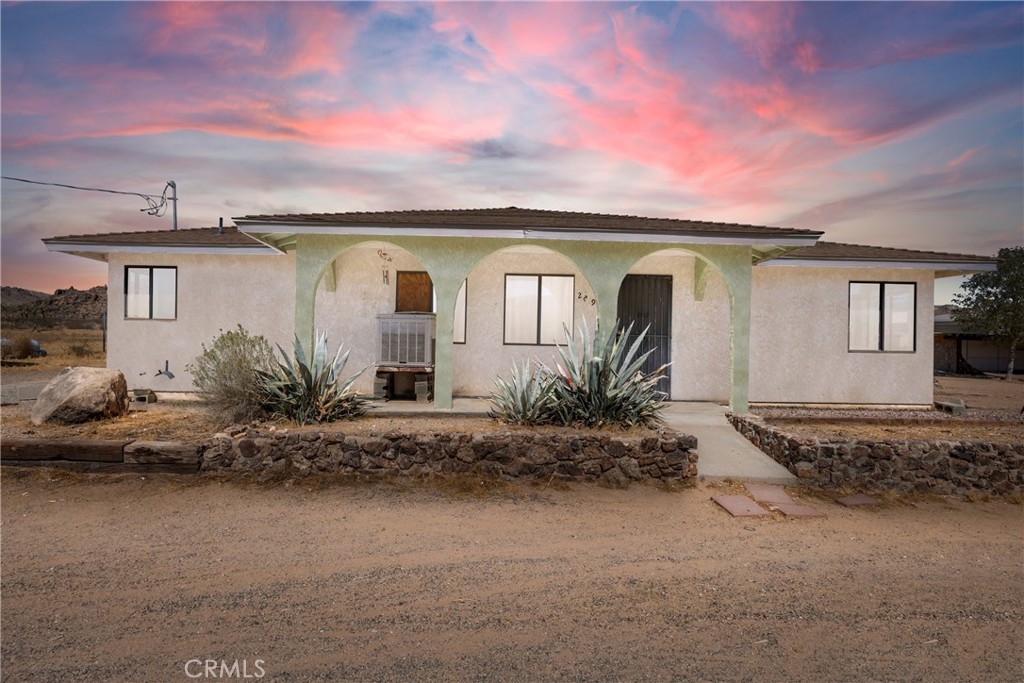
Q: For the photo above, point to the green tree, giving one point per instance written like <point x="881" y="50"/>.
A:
<point x="993" y="302"/>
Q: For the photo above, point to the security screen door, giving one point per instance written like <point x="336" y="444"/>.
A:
<point x="647" y="300"/>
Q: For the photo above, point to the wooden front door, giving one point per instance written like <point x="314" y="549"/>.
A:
<point x="414" y="292"/>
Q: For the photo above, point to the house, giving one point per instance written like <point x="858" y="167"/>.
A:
<point x="745" y="313"/>
<point x="967" y="353"/>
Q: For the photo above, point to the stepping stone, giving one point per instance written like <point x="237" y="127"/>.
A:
<point x="768" y="493"/>
<point x="741" y="506"/>
<point x="797" y="510"/>
<point x="857" y="500"/>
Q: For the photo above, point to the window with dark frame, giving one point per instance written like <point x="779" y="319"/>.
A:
<point x="883" y="317"/>
<point x="538" y="308"/>
<point x="151" y="292"/>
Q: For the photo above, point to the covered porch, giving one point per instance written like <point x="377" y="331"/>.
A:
<point x="601" y="255"/>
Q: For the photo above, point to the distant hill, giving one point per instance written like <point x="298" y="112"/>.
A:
<point x="16" y="296"/>
<point x="63" y="304"/>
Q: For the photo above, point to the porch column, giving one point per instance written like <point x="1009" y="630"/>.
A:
<point x="313" y="253"/>
<point x="446" y="289"/>
<point x="606" y="289"/>
<point x="739" y="277"/>
<point x="307" y="275"/>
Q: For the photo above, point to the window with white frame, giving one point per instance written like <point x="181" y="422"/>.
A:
<point x="537" y="307"/>
<point x="882" y="316"/>
<point x="151" y="292"/>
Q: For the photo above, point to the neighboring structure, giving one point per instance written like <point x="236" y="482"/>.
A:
<point x="743" y="312"/>
<point x="964" y="353"/>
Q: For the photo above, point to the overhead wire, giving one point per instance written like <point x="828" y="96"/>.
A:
<point x="157" y="204"/>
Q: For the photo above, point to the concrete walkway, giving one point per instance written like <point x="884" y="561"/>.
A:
<point x="724" y="454"/>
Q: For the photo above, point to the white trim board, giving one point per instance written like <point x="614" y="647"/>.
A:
<point x="159" y="249"/>
<point x="968" y="266"/>
<point x="529" y="233"/>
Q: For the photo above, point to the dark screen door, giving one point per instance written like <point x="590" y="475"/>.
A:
<point x="646" y="300"/>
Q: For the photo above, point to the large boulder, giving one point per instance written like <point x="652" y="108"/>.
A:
<point x="81" y="394"/>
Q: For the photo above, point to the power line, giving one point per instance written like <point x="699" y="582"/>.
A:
<point x="157" y="203"/>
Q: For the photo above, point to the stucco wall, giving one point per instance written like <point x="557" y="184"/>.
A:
<point x="700" y="329"/>
<point x="349" y="314"/>
<point x="214" y="293"/>
<point x="484" y="355"/>
<point x="799" y="347"/>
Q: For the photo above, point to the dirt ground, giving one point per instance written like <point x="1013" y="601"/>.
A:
<point x="192" y="422"/>
<point x="1008" y="432"/>
<point x="984" y="393"/>
<point x="993" y="414"/>
<point x="129" y="578"/>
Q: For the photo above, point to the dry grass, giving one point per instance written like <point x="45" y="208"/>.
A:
<point x="63" y="347"/>
<point x="952" y="430"/>
<point x="188" y="422"/>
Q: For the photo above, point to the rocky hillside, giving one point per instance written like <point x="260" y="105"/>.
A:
<point x="63" y="304"/>
<point x="16" y="296"/>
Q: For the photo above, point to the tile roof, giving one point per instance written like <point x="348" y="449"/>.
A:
<point x="838" y="251"/>
<point x="189" y="237"/>
<point x="514" y="217"/>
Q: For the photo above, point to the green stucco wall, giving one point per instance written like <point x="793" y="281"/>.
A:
<point x="449" y="260"/>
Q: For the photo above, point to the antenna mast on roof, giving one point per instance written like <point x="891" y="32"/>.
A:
<point x="174" y="198"/>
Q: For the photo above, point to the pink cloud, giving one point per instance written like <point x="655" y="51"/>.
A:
<point x="298" y="38"/>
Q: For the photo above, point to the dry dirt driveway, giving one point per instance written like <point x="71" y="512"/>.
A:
<point x="126" y="578"/>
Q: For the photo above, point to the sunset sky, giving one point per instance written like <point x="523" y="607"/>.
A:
<point x="896" y="124"/>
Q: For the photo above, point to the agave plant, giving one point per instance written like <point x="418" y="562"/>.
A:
<point x="310" y="392"/>
<point x="604" y="383"/>
<point x="527" y="398"/>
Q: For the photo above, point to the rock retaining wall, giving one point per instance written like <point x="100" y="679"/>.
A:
<point x="945" y="467"/>
<point x="508" y="455"/>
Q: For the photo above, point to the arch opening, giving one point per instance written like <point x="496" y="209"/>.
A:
<point x="370" y="279"/>
<point x="517" y="299"/>
<point x="686" y="300"/>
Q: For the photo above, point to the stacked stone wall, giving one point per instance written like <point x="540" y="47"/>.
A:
<point x="944" y="467"/>
<point x="567" y="456"/>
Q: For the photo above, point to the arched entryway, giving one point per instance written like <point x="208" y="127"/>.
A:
<point x="517" y="301"/>
<point x="685" y="301"/>
<point x="362" y="283"/>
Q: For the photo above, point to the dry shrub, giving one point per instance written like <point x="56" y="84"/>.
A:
<point x="21" y="347"/>
<point x="80" y="350"/>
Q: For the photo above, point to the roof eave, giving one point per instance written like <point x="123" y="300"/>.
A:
<point x="80" y="249"/>
<point x="941" y="268"/>
<point x="802" y="239"/>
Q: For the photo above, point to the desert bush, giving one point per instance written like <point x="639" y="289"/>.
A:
<point x="21" y="347"/>
<point x="527" y="398"/>
<point x="226" y="373"/>
<point x="596" y="384"/>
<point x="309" y="392"/>
<point x="80" y="350"/>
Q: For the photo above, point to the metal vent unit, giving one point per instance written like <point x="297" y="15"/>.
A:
<point x="405" y="339"/>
